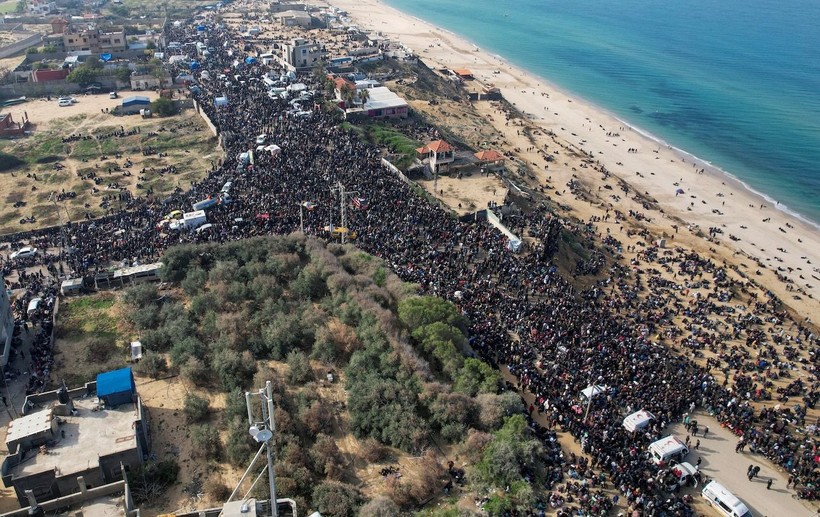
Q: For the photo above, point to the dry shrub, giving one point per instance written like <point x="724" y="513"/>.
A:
<point x="318" y="418"/>
<point x="373" y="451"/>
<point x="475" y="444"/>
<point x="419" y="484"/>
<point x="216" y="490"/>
<point x="341" y="336"/>
<point x="398" y="491"/>
<point x="231" y="326"/>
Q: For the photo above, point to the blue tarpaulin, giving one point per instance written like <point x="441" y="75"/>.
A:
<point x="250" y="60"/>
<point x="116" y="387"/>
<point x="105" y="57"/>
<point x="194" y="65"/>
<point x="201" y="28"/>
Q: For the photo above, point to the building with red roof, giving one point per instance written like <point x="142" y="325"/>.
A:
<point x="438" y="153"/>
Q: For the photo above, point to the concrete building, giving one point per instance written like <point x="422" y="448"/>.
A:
<point x="59" y="25"/>
<point x="64" y="434"/>
<point x="439" y="154"/>
<point x="41" y="7"/>
<point x="111" y="500"/>
<point x="149" y="81"/>
<point x="380" y="102"/>
<point x="490" y="160"/>
<point x="294" y="18"/>
<point x="278" y="7"/>
<point x="6" y="316"/>
<point x="94" y="39"/>
<point x="301" y="54"/>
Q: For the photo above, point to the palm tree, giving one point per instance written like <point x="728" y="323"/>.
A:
<point x="364" y="95"/>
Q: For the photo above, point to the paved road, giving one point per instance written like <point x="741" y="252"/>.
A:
<point x="722" y="464"/>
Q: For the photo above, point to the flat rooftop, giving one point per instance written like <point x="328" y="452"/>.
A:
<point x="88" y="435"/>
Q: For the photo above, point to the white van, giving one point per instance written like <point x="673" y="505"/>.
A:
<point x="724" y="501"/>
<point x="638" y="420"/>
<point x="667" y="449"/>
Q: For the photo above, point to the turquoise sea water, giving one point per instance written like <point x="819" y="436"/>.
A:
<point x="734" y="82"/>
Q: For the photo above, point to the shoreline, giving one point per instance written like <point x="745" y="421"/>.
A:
<point x="672" y="177"/>
<point x="681" y="152"/>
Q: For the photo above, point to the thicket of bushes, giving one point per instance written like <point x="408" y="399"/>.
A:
<point x="408" y="381"/>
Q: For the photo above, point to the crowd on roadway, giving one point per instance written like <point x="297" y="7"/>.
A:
<point x="640" y="336"/>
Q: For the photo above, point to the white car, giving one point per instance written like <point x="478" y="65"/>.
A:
<point x="23" y="252"/>
<point x="72" y="100"/>
<point x="261" y="139"/>
<point x="64" y="102"/>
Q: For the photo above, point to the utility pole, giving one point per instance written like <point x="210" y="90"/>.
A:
<point x="262" y="432"/>
<point x="343" y="194"/>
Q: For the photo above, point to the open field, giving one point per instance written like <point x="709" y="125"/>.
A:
<point x="90" y="173"/>
<point x="89" y="338"/>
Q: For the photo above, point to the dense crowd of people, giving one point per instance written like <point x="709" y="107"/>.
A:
<point x="634" y="331"/>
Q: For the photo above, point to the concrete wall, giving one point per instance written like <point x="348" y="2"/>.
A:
<point x="395" y="170"/>
<point x="495" y="221"/>
<point x="6" y="327"/>
<point x="14" y="48"/>
<point x="205" y="117"/>
<point x="79" y="497"/>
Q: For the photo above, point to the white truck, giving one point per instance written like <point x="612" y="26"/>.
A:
<point x="678" y="476"/>
<point x="190" y="220"/>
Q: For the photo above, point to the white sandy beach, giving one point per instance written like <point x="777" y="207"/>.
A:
<point x="709" y="199"/>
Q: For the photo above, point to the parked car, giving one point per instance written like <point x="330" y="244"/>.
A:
<point x="23" y="252"/>
<point x="64" y="102"/>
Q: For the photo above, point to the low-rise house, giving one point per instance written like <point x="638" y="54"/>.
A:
<point x="490" y="160"/>
<point x="89" y="432"/>
<point x="438" y="154"/>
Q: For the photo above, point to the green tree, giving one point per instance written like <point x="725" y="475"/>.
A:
<point x="164" y="107"/>
<point x="299" y="370"/>
<point x="424" y="310"/>
<point x="123" y="74"/>
<point x="512" y="452"/>
<point x="205" y="441"/>
<point x="82" y="75"/>
<point x="195" y="408"/>
<point x="153" y="365"/>
<point x="336" y="499"/>
<point x="475" y="377"/>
